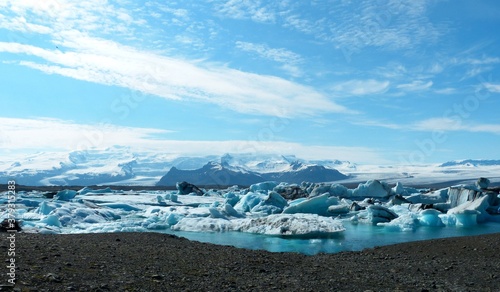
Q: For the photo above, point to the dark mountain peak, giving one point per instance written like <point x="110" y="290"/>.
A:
<point x="296" y="164"/>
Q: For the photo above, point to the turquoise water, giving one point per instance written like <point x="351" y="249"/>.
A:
<point x="355" y="238"/>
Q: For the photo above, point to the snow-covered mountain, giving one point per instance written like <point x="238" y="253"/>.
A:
<point x="471" y="163"/>
<point x="224" y="174"/>
<point x="123" y="166"/>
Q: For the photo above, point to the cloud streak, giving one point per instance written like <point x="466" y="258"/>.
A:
<point x="448" y="125"/>
<point x="61" y="135"/>
<point x="361" y="87"/>
<point x="98" y="60"/>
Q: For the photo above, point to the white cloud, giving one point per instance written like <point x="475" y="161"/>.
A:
<point x="361" y="24"/>
<point x="278" y="55"/>
<point x="59" y="135"/>
<point x="47" y="133"/>
<point x="447" y="90"/>
<point x="249" y="9"/>
<point x="492" y="87"/>
<point x="361" y="87"/>
<point x="86" y="57"/>
<point x="448" y="124"/>
<point x="381" y="124"/>
<point x="417" y="85"/>
<point x="288" y="58"/>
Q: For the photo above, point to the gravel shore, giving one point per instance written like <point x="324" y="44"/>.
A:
<point x="160" y="262"/>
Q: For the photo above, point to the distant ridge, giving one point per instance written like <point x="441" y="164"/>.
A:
<point x="471" y="162"/>
<point x="223" y="174"/>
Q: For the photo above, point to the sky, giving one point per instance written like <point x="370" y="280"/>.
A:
<point x="374" y="82"/>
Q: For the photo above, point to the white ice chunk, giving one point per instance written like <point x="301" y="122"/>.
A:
<point x="51" y="220"/>
<point x="340" y="191"/>
<point x="316" y="205"/>
<point x="231" y="198"/>
<point x="248" y="201"/>
<point x="406" y="222"/>
<point x="172" y="197"/>
<point x="465" y="211"/>
<point x="272" y="204"/>
<point x="376" y="214"/>
<point x="124" y="206"/>
<point x="372" y="189"/>
<point x="65" y="195"/>
<point x="200" y="224"/>
<point x="230" y="211"/>
<point x="215" y="213"/>
<point x="45" y="208"/>
<point x="305" y="225"/>
<point x="338" y="209"/>
<point x="263" y="186"/>
<point x="439" y="196"/>
<point x="461" y="194"/>
<point x="430" y="217"/>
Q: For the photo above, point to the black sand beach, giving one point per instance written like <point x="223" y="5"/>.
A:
<point x="160" y="262"/>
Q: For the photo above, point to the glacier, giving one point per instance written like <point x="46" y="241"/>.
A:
<point x="322" y="217"/>
<point x="118" y="165"/>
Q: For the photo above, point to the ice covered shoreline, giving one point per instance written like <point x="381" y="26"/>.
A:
<point x="308" y="210"/>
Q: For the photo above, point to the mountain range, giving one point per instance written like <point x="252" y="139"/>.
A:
<point x="122" y="166"/>
<point x="223" y="174"/>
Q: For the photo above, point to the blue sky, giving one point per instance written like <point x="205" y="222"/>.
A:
<point x="378" y="82"/>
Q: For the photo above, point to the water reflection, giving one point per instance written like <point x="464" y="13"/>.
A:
<point x="355" y="238"/>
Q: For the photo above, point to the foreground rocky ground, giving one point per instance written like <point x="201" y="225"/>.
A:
<point x="159" y="262"/>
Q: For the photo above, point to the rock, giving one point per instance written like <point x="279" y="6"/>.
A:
<point x="10" y="224"/>
<point x="356" y="207"/>
<point x="185" y="188"/>
<point x="377" y="213"/>
<point x="483" y="183"/>
<point x="398" y="200"/>
<point x="50" y="277"/>
<point x="291" y="192"/>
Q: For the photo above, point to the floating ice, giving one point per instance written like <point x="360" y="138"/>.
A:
<point x="65" y="195"/>
<point x="265" y="208"/>
<point x="439" y="196"/>
<point x="317" y="205"/>
<point x="372" y="189"/>
<point x="430" y="217"/>
<point x="300" y="225"/>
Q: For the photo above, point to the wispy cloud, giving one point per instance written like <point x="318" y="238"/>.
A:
<point x="448" y="124"/>
<point x="289" y="59"/>
<point x="417" y="85"/>
<point x="380" y="124"/>
<point x="60" y="135"/>
<point x="278" y="55"/>
<point x="86" y="57"/>
<point x="493" y="87"/>
<point x="45" y="133"/>
<point x="254" y="10"/>
<point x="447" y="90"/>
<point x="360" y="87"/>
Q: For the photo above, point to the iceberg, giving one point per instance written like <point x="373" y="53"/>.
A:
<point x="377" y="214"/>
<point x="65" y="195"/>
<point x="296" y="225"/>
<point x="372" y="189"/>
<point x="202" y="224"/>
<point x="317" y="210"/>
<point x="316" y="205"/>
